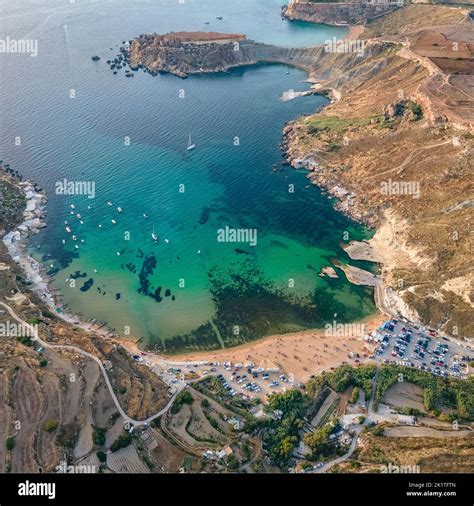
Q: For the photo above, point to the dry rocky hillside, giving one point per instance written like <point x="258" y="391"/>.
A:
<point x="431" y="455"/>
<point x="396" y="147"/>
<point x="349" y="12"/>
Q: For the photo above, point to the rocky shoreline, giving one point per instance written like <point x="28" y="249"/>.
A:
<point x="387" y="300"/>
<point x="327" y="182"/>
<point x="16" y="245"/>
<point x="33" y="219"/>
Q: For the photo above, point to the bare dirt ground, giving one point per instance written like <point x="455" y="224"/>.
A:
<point x="126" y="460"/>
<point x="431" y="454"/>
<point x="405" y="394"/>
<point x="46" y="450"/>
<point x="114" y="432"/>
<point x="167" y="456"/>
<point x="91" y="375"/>
<point x="424" y="432"/>
<point x="104" y="406"/>
<point x="27" y="401"/>
<point x="200" y="428"/>
<point x="5" y="416"/>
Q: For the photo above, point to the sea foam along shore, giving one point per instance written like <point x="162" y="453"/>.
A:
<point x="16" y="244"/>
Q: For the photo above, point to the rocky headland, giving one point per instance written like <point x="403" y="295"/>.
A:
<point x="337" y="13"/>
<point x="185" y="53"/>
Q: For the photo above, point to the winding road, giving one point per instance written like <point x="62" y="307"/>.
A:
<point x="136" y="423"/>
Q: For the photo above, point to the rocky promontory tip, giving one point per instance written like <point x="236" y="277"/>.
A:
<point x="185" y="53"/>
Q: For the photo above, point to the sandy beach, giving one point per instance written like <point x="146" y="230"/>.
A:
<point x="301" y="354"/>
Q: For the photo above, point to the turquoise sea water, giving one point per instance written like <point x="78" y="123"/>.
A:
<point x="192" y="291"/>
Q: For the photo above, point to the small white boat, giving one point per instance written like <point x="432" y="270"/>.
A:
<point x="95" y="270"/>
<point x="89" y="207"/>
<point x="78" y="215"/>
<point x="199" y="251"/>
<point x="145" y="215"/>
<point x="73" y="206"/>
<point x="81" y="222"/>
<point x="65" y="222"/>
<point x="190" y="144"/>
<point x="118" y="253"/>
<point x="100" y="226"/>
<point x="167" y="241"/>
<point x="64" y="241"/>
<point x="153" y="235"/>
<point x="119" y="209"/>
<point x="113" y="221"/>
<point x="109" y="203"/>
<point x="82" y="240"/>
<point x="74" y="238"/>
<point x="76" y="246"/>
<point x="68" y="230"/>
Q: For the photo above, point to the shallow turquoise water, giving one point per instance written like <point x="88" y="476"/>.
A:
<point x="223" y="292"/>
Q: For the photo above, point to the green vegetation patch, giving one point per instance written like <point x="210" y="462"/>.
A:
<point x="121" y="442"/>
<point x="50" y="425"/>
<point x="98" y="436"/>
<point x="280" y="434"/>
<point x="10" y="443"/>
<point x="321" y="446"/>
<point x="439" y="394"/>
<point x="342" y="378"/>
<point x="182" y="398"/>
<point x="316" y="124"/>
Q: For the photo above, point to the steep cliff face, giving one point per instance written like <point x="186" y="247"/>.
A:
<point x="185" y="53"/>
<point x="349" y="13"/>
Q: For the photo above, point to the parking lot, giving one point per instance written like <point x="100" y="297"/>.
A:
<point x="252" y="381"/>
<point x="244" y="379"/>
<point x="415" y="346"/>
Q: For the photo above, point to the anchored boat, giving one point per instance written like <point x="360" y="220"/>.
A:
<point x="190" y="144"/>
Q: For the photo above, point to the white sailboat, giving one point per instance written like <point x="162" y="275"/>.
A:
<point x="190" y="144"/>
<point x="153" y="235"/>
